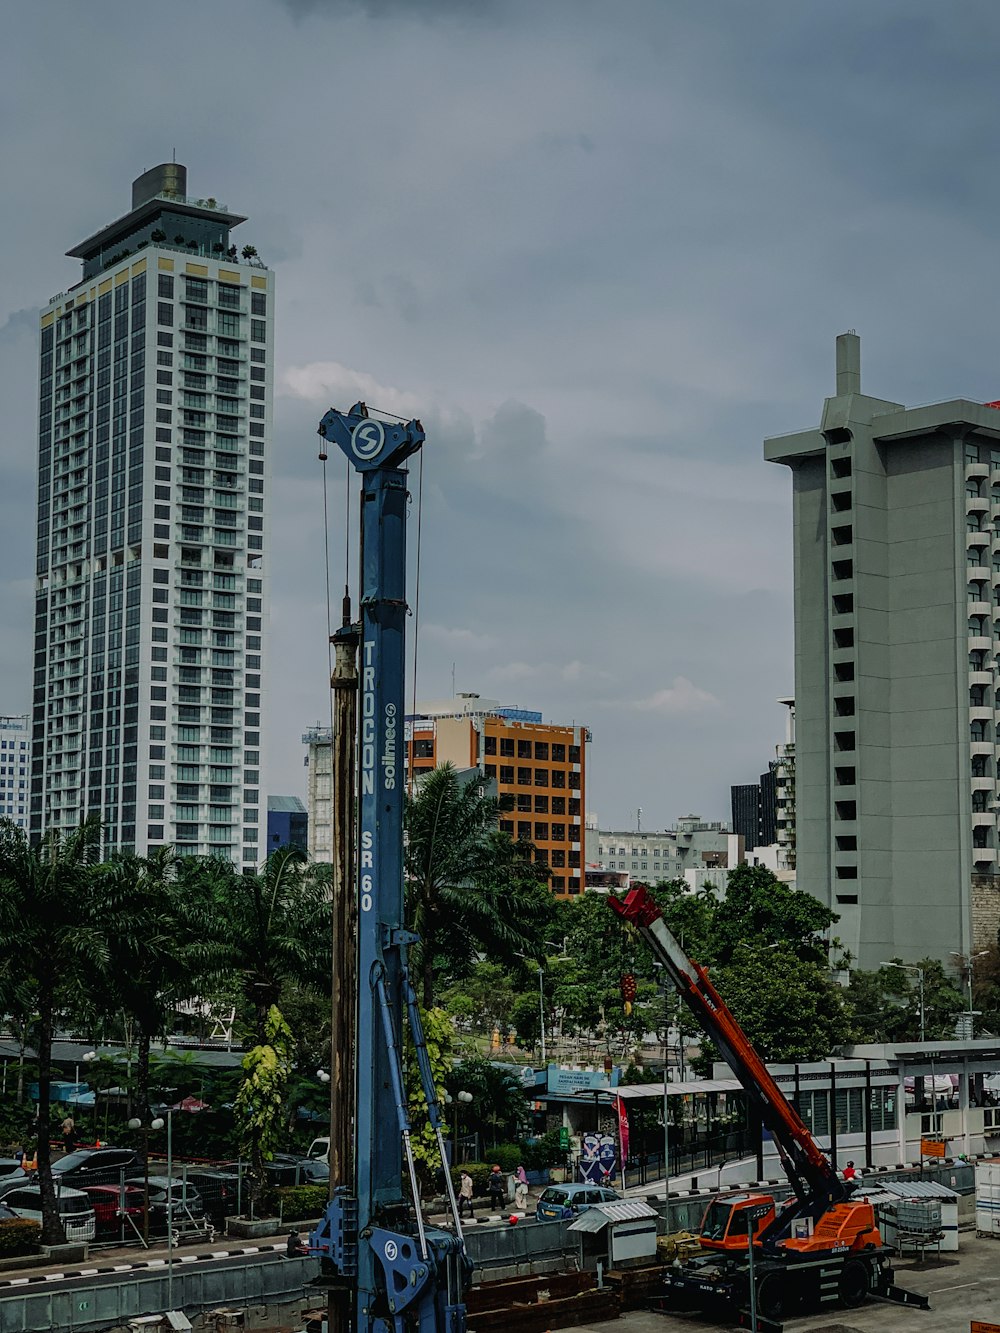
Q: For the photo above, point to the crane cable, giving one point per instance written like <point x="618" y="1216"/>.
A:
<point x="416" y="613"/>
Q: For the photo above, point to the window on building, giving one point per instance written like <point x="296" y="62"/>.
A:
<point x="524" y="749"/>
<point x="489" y="745"/>
<point x="507" y="747"/>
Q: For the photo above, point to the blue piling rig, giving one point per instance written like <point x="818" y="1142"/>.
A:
<point x="404" y="1277"/>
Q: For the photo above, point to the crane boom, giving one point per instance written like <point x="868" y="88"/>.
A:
<point x="812" y="1177"/>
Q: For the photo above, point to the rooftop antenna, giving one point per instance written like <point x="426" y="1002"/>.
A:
<point x="453" y="680"/>
<point x="638" y="820"/>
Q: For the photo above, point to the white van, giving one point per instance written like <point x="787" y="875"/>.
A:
<point x="319" y="1151"/>
<point x="78" y="1217"/>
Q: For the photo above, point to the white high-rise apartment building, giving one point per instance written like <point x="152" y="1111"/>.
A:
<point x="15" y="766"/>
<point x="154" y="423"/>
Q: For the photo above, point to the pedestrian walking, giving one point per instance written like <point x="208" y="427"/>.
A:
<point x="521" y="1190"/>
<point x="497" y="1187"/>
<point x="465" y="1194"/>
<point x="69" y="1132"/>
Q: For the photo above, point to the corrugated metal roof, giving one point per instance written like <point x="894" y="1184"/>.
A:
<point x="687" y="1088"/>
<point x="917" y="1189"/>
<point x="600" y="1215"/>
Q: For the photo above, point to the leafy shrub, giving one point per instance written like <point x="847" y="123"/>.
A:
<point x="297" y="1202"/>
<point x="545" y="1151"/>
<point x="507" y="1157"/>
<point x="18" y="1237"/>
<point x="480" y="1173"/>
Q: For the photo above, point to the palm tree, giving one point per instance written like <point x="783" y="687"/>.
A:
<point x="48" y="941"/>
<point x="470" y="888"/>
<point x="274" y="930"/>
<point x="277" y="935"/>
<point x="161" y="938"/>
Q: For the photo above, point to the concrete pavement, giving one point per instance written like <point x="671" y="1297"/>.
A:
<point x="962" y="1287"/>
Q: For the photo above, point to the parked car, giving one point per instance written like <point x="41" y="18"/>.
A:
<point x="96" y="1166"/>
<point x="10" y="1166"/>
<point x="112" y="1205"/>
<point x="560" y="1201"/>
<point x="286" y="1168"/>
<point x="219" y="1190"/>
<point x="185" y="1206"/>
<point x="319" y="1150"/>
<point x="75" y="1209"/>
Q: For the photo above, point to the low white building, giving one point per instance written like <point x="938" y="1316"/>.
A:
<point x="692" y="844"/>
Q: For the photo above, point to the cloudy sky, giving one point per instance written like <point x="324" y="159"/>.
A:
<point x="600" y="249"/>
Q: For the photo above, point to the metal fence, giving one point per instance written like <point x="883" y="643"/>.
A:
<point x="194" y="1288"/>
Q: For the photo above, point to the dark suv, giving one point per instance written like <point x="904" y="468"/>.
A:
<point x="96" y="1166"/>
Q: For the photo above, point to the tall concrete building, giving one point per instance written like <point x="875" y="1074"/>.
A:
<point x="154" y="422"/>
<point x="15" y="766"/>
<point x="897" y="631"/>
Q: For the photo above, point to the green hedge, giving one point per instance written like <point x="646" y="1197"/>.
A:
<point x="18" y="1237"/>
<point x="298" y="1202"/>
<point x="480" y="1173"/>
<point x="544" y="1152"/>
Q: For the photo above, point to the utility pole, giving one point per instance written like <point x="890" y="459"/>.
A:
<point x="344" y="684"/>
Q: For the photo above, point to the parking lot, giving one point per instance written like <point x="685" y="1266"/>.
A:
<point x="961" y="1287"/>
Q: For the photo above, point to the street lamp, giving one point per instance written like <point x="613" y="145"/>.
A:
<point x="461" y="1097"/>
<point x="541" y="991"/>
<point x="912" y="967"/>
<point x="88" y="1057"/>
<point x="154" y="1126"/>
<point x="966" y="961"/>
<point x="323" y="1076"/>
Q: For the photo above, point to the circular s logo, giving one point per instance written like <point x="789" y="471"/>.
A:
<point x="391" y="1250"/>
<point x="367" y="439"/>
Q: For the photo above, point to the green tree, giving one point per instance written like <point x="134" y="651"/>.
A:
<point x="485" y="998"/>
<point x="160" y="940"/>
<point x="267" y="1068"/>
<point x="274" y="928"/>
<point x="788" y="1006"/>
<point x="884" y="1004"/>
<point x="759" y="909"/>
<point x="498" y="1111"/>
<point x="439" y="1038"/>
<point x="470" y="889"/>
<point x="50" y="944"/>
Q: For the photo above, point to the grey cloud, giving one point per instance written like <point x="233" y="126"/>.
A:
<point x="638" y="237"/>
<point x="424" y="9"/>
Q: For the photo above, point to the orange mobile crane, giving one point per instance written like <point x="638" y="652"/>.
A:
<point x="820" y="1247"/>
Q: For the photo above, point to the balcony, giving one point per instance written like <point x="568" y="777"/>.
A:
<point x="980" y="677"/>
<point x="982" y="747"/>
<point x="977" y="470"/>
<point x="980" y="643"/>
<point x="978" y="538"/>
<point x="979" y="608"/>
<point x="982" y="712"/>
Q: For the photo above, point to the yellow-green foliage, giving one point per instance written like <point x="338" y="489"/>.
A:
<point x="439" y="1034"/>
<point x="260" y="1101"/>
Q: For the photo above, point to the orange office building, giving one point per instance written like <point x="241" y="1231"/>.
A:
<point x="539" y="769"/>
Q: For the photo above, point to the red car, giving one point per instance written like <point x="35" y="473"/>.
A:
<point x="108" y="1206"/>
